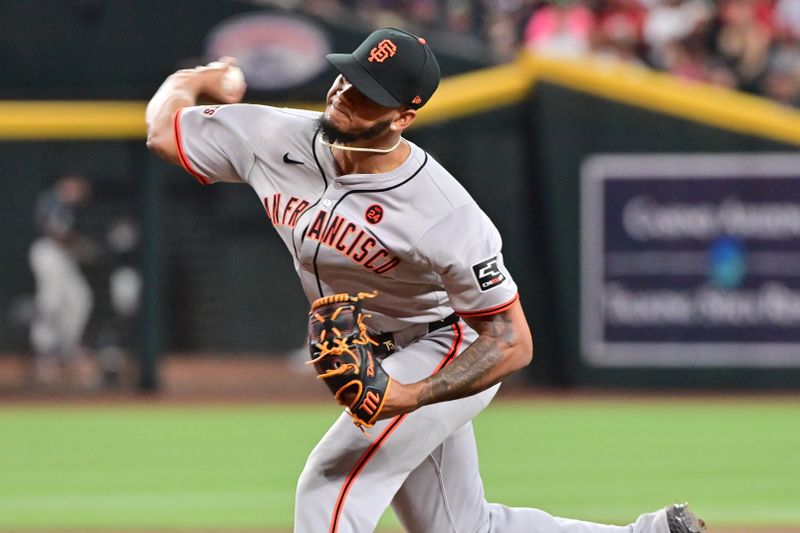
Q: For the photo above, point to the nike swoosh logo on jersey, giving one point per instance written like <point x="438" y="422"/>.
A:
<point x="290" y="161"/>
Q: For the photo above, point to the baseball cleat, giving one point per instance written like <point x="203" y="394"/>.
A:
<point x="681" y="519"/>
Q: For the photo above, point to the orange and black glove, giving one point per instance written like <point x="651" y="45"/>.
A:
<point x="342" y="354"/>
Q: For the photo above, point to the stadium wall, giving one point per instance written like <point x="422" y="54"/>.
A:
<point x="515" y="135"/>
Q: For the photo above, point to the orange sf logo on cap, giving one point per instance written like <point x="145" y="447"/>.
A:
<point x="383" y="51"/>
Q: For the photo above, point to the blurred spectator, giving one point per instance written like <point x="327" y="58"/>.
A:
<point x="560" y="29"/>
<point x="745" y="37"/>
<point x="787" y="18"/>
<point x="460" y="16"/>
<point x="781" y="81"/>
<point x="667" y="26"/>
<point x="63" y="299"/>
<point x="751" y="45"/>
<point x="502" y="36"/>
<point x="618" y="33"/>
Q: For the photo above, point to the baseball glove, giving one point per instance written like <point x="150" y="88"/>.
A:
<point x="341" y="352"/>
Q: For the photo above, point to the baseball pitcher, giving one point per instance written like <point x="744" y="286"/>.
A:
<point x="414" y="319"/>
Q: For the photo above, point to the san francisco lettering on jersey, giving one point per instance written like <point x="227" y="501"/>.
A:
<point x="340" y="234"/>
<point x="351" y="240"/>
<point x="286" y="215"/>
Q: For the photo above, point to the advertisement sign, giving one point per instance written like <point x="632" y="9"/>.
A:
<point x="690" y="260"/>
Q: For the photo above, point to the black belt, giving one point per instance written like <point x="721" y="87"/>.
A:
<point x="386" y="345"/>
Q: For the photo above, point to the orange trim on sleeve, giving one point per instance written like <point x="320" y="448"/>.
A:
<point x="491" y="311"/>
<point x="378" y="442"/>
<point x="181" y="155"/>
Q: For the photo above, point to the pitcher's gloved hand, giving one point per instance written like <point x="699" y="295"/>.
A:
<point x="341" y="352"/>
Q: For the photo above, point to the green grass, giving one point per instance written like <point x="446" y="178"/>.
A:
<point x="738" y="463"/>
<point x="235" y="466"/>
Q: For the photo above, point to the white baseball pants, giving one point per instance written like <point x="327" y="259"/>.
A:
<point x="63" y="300"/>
<point x="424" y="464"/>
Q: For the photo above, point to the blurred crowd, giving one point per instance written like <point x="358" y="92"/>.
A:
<point x="750" y="45"/>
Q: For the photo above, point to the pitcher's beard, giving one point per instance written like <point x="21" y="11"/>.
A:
<point x="334" y="135"/>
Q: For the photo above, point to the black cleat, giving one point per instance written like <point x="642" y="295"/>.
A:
<point x="681" y="519"/>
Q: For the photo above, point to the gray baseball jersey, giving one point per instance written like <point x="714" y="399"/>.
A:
<point x="416" y="236"/>
<point x="413" y="234"/>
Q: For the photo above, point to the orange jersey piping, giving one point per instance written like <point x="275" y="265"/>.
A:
<point x="181" y="155"/>
<point x="490" y="311"/>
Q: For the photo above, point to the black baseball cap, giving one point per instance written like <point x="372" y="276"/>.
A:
<point x="392" y="68"/>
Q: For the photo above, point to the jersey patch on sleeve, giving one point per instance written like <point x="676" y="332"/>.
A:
<point x="488" y="274"/>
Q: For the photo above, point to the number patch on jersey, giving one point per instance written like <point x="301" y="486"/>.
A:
<point x="374" y="214"/>
<point x="488" y="274"/>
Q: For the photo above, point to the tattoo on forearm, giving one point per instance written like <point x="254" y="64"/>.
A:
<point x="463" y="376"/>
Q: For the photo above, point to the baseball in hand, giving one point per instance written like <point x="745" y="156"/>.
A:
<point x="232" y="80"/>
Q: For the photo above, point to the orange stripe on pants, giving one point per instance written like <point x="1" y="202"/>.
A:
<point x="378" y="442"/>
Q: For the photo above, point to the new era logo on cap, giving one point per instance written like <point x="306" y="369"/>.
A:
<point x="392" y="68"/>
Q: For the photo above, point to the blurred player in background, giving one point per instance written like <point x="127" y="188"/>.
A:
<point x="63" y="300"/>
<point x="116" y="337"/>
